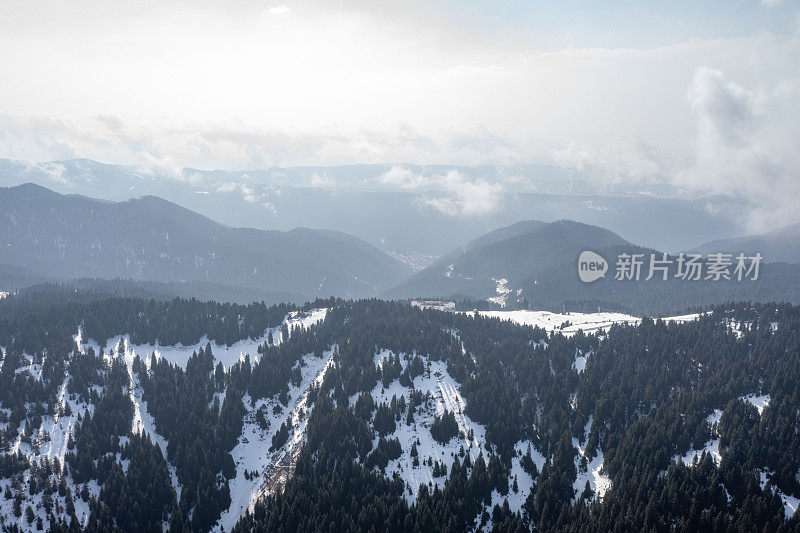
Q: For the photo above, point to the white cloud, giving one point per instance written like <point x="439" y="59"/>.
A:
<point x="253" y="85"/>
<point x="628" y="161"/>
<point x="279" y="10"/>
<point x="229" y="186"/>
<point x="724" y="110"/>
<point x="322" y="181"/>
<point x="404" y="178"/>
<point x="451" y="193"/>
<point x="745" y="147"/>
<point x="54" y="171"/>
<point x="466" y="197"/>
<point x="248" y="193"/>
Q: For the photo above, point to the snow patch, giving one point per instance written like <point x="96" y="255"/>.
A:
<point x="251" y="451"/>
<point x="502" y="291"/>
<point x="443" y="394"/>
<point x="228" y="355"/>
<point x="790" y="503"/>
<point x="711" y="447"/>
<point x="598" y="481"/>
<point x="569" y="323"/>
<point x="525" y="482"/>
<point x="759" y="402"/>
<point x="580" y="361"/>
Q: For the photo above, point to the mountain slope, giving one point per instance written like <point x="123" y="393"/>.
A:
<point x="501" y="234"/>
<point x="539" y="269"/>
<point x="152" y="239"/>
<point x="128" y="414"/>
<point x="782" y="244"/>
<point x="513" y="254"/>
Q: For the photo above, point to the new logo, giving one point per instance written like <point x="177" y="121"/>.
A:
<point x="591" y="266"/>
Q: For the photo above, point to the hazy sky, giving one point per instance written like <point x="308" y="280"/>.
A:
<point x="701" y="94"/>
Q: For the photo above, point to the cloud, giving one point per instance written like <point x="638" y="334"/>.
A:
<point x="465" y="197"/>
<point x="279" y="10"/>
<point x="724" y="110"/>
<point x="630" y="161"/>
<point x="452" y="193"/>
<point x="402" y="177"/>
<point x="55" y="172"/>
<point x="248" y="193"/>
<point x="744" y="146"/>
<point x="322" y="181"/>
<point x="229" y="186"/>
<point x="147" y="158"/>
<point x="252" y="86"/>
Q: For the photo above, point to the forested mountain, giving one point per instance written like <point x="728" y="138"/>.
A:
<point x="780" y="245"/>
<point x="56" y="236"/>
<point x="133" y="414"/>
<point x="559" y="286"/>
<point x="159" y="290"/>
<point x="513" y="254"/>
<point x="399" y="208"/>
<point x="520" y="228"/>
<point x="535" y="265"/>
<point x="500" y="234"/>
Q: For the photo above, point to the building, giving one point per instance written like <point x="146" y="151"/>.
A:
<point x="439" y="305"/>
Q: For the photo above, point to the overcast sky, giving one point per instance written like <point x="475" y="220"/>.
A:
<point x="700" y="94"/>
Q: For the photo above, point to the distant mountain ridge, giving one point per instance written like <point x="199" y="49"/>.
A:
<point x="513" y="254"/>
<point x="534" y="264"/>
<point x="403" y="217"/>
<point x="148" y="238"/>
<point x="780" y="245"/>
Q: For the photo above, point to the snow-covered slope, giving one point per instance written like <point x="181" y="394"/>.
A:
<point x="227" y="355"/>
<point x="569" y="323"/>
<point x="440" y="392"/>
<point x="593" y="470"/>
<point x="47" y="445"/>
<point x="257" y="469"/>
<point x="44" y="449"/>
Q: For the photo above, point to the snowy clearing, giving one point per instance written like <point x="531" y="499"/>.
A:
<point x="790" y="503"/>
<point x="502" y="292"/>
<point x="228" y="355"/>
<point x="580" y="361"/>
<point x="443" y="394"/>
<point x="572" y="322"/>
<point x="711" y="447"/>
<point x="759" y="402"/>
<point x="598" y="481"/>
<point x="251" y="453"/>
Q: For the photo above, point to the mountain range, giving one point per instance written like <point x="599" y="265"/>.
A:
<point x="160" y="248"/>
<point x="534" y="264"/>
<point x="779" y="245"/>
<point x="418" y="212"/>
<point x="56" y="236"/>
<point x="508" y="256"/>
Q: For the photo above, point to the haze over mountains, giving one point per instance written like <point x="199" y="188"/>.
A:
<point x="148" y="238"/>
<point x="46" y="236"/>
<point x="418" y="211"/>
<point x="782" y="244"/>
<point x="535" y="264"/>
<point x="513" y="255"/>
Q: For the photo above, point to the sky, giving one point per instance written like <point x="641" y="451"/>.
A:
<point x="702" y="95"/>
